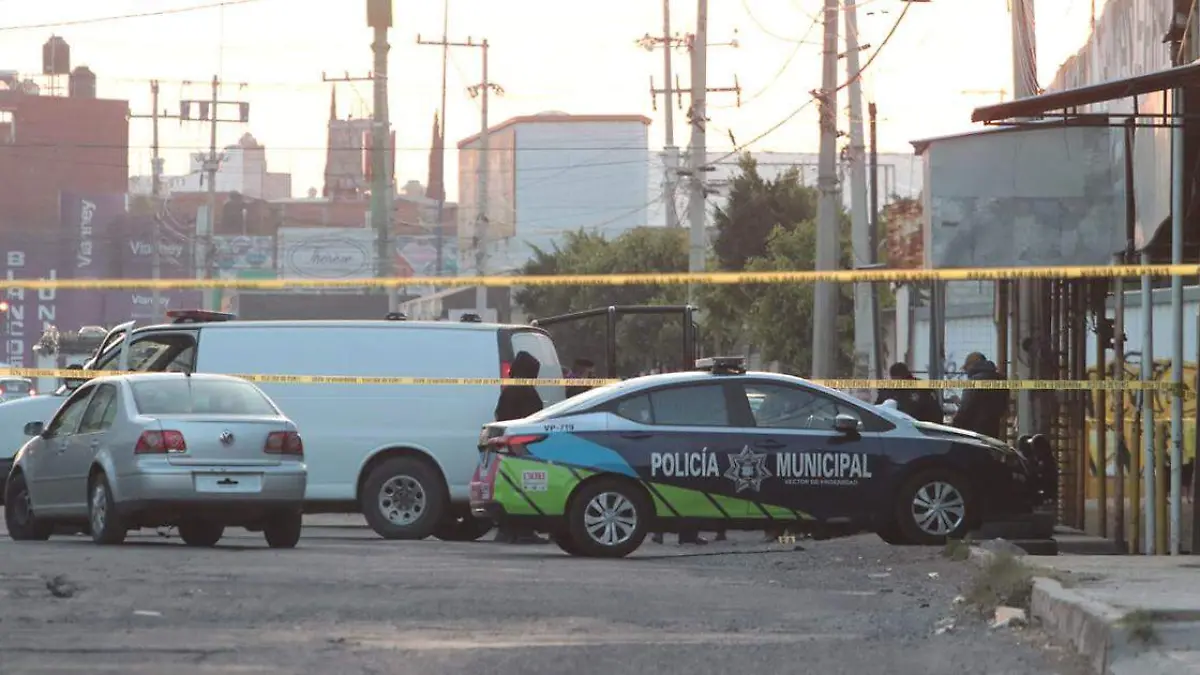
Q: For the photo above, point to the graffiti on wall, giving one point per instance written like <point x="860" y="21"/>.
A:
<point x="1160" y="400"/>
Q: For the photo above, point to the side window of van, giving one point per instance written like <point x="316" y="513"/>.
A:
<point x="156" y="352"/>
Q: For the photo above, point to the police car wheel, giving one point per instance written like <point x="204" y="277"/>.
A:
<point x="933" y="506"/>
<point x="566" y="543"/>
<point x="608" y="518"/>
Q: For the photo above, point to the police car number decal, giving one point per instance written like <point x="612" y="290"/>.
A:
<point x="558" y="427"/>
<point x="535" y="481"/>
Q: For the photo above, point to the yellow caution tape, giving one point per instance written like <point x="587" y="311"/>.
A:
<point x="1022" y="385"/>
<point x="674" y="279"/>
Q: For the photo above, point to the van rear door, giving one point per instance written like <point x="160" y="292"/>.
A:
<point x="538" y="343"/>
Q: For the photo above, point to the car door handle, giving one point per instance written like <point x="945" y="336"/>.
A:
<point x="769" y="444"/>
<point x="636" y="435"/>
<point x="94" y="444"/>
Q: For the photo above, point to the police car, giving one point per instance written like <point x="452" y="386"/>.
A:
<point x="723" y="448"/>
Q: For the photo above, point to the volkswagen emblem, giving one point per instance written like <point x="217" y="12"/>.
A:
<point x="226" y="437"/>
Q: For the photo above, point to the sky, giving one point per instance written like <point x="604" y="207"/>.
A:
<point x="945" y="58"/>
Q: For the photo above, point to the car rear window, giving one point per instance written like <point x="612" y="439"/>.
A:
<point x="14" y="386"/>
<point x="194" y="396"/>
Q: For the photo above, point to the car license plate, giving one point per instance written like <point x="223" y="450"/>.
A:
<point x="234" y="483"/>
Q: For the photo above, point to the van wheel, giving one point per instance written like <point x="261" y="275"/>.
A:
<point x="462" y="527"/>
<point x="404" y="498"/>
<point x="608" y="519"/>
<point x="934" y="506"/>
<point x="19" y="518"/>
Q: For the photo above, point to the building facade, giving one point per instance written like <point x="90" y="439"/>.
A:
<point x="243" y="169"/>
<point x="55" y="144"/>
<point x="550" y="174"/>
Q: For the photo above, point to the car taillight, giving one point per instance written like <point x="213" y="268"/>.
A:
<point x="505" y="370"/>
<point x="284" y="443"/>
<point x="160" y="443"/>
<point x="514" y="445"/>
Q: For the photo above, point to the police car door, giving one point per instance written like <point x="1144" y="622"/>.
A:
<point x="678" y="439"/>
<point x="811" y="466"/>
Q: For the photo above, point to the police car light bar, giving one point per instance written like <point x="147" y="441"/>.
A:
<point x="198" y="316"/>
<point x="723" y="365"/>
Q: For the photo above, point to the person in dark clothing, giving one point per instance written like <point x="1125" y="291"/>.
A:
<point x="517" y="402"/>
<point x="983" y="411"/>
<point x="582" y="369"/>
<point x="921" y="404"/>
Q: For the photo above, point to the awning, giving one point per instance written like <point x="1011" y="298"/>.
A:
<point x="1034" y="106"/>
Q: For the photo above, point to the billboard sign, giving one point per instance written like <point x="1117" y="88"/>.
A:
<point x="233" y="254"/>
<point x="326" y="253"/>
<point x="30" y="312"/>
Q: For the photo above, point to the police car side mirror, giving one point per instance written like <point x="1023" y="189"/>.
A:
<point x="34" y="428"/>
<point x="845" y="424"/>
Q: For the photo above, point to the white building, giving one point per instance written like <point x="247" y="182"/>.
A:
<point x="549" y="174"/>
<point x="243" y="169"/>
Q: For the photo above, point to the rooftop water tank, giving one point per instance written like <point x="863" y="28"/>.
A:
<point x="56" y="56"/>
<point x="82" y="83"/>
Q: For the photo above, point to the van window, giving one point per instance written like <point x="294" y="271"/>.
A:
<point x="542" y="348"/>
<point x="155" y="352"/>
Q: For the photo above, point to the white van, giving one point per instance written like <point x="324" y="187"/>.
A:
<point x="402" y="455"/>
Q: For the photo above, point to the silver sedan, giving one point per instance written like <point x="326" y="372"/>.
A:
<point x="200" y="452"/>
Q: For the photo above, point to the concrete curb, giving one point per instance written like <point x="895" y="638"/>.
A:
<point x="1085" y="625"/>
<point x="1092" y="628"/>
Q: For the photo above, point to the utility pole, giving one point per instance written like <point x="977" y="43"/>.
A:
<point x="445" y="44"/>
<point x="873" y="240"/>
<point x="156" y="171"/>
<point x="482" y="222"/>
<point x="441" y="207"/>
<point x="860" y="233"/>
<point x="698" y="150"/>
<point x="1028" y="291"/>
<point x="379" y="18"/>
<point x="670" y="90"/>
<point x="825" y="298"/>
<point x="209" y="112"/>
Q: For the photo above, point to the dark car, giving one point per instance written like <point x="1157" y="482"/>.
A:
<point x="721" y="448"/>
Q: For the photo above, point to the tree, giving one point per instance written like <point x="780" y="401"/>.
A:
<point x="643" y="342"/>
<point x="769" y="225"/>
<point x="754" y="209"/>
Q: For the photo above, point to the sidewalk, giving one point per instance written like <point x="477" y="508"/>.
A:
<point x="1127" y="614"/>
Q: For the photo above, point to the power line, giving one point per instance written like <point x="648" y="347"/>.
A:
<point x="768" y="32"/>
<point x="113" y="146"/>
<point x="134" y="15"/>
<point x="775" y="127"/>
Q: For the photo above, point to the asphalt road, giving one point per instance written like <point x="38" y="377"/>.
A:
<point x="347" y="602"/>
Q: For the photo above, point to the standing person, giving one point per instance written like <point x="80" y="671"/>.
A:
<point x="921" y="404"/>
<point x="983" y="411"/>
<point x="581" y="369"/>
<point x="518" y="401"/>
